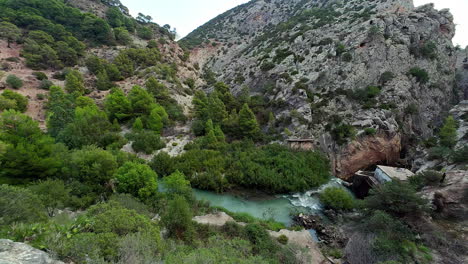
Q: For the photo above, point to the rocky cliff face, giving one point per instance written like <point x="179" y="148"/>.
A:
<point x="20" y="253"/>
<point x="339" y="71"/>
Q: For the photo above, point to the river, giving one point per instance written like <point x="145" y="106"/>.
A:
<point x="278" y="207"/>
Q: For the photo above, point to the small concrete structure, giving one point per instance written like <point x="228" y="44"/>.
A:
<point x="385" y="174"/>
<point x="301" y="144"/>
<point x="363" y="181"/>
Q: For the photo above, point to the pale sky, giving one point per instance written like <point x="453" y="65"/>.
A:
<point x="187" y="15"/>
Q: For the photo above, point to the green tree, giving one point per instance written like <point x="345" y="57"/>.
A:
<point x="14" y="82"/>
<point x="19" y="205"/>
<point x="92" y="166"/>
<point x="396" y="198"/>
<point x="337" y="198"/>
<point x="248" y="125"/>
<point x="29" y="152"/>
<point x="158" y="89"/>
<point x="60" y="110"/>
<point x="122" y="36"/>
<point x="136" y="179"/>
<point x="117" y="105"/>
<point x="102" y="81"/>
<point x="178" y="219"/>
<point x="52" y="193"/>
<point x="137" y="125"/>
<point x="176" y="184"/>
<point x="9" y="31"/>
<point x="20" y="103"/>
<point x="90" y="126"/>
<point x="162" y="164"/>
<point x="448" y="133"/>
<point x="216" y="109"/>
<point x="157" y="118"/>
<point x="146" y="141"/>
<point x="142" y="102"/>
<point x="74" y="83"/>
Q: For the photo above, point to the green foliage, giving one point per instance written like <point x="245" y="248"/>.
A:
<point x="74" y="83"/>
<point x="141" y="101"/>
<point x="386" y="77"/>
<point x="9" y="31"/>
<point x="117" y="105"/>
<point x="248" y="126"/>
<point x="429" y="50"/>
<point x="342" y="132"/>
<point x="448" y="133"/>
<point x="14" y="82"/>
<point x="176" y="184"/>
<point x="425" y="178"/>
<point x="272" y="168"/>
<point x="157" y="118"/>
<point x="267" y="65"/>
<point x="146" y="141"/>
<point x="177" y="218"/>
<point x="13" y="100"/>
<point x="90" y="126"/>
<point x="396" y="198"/>
<point x="29" y="152"/>
<point x="370" y="131"/>
<point x="18" y="204"/>
<point x="102" y="82"/>
<point x="460" y="155"/>
<point x="92" y="166"/>
<point x="282" y="239"/>
<point x="40" y="76"/>
<point x="422" y="76"/>
<point x="162" y="164"/>
<point x="122" y="36"/>
<point x="337" y="198"/>
<point x="53" y="194"/>
<point x="60" y="110"/>
<point x="136" y="179"/>
<point x="366" y="96"/>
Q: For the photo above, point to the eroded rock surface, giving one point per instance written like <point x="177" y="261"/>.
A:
<point x="21" y="253"/>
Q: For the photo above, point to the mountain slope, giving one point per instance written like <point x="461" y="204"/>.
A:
<point x="379" y="74"/>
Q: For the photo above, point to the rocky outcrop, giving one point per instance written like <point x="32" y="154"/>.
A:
<point x="450" y="198"/>
<point x="364" y="152"/>
<point x="20" y="253"/>
<point x="314" y="60"/>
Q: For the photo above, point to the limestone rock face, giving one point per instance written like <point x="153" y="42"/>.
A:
<point x="313" y="61"/>
<point x="20" y="253"/>
<point x="450" y="198"/>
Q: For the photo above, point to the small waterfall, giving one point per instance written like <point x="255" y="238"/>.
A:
<point x="310" y="199"/>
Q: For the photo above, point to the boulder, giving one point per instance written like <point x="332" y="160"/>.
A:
<point x="21" y="253"/>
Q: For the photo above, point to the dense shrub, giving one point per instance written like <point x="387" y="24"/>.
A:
<point x="422" y="76"/>
<point x="53" y="194"/>
<point x="396" y="198"/>
<point x="178" y="219"/>
<point x="136" y="179"/>
<point x="146" y="141"/>
<point x="14" y="82"/>
<point x="425" y="178"/>
<point x="13" y="100"/>
<point x="337" y="198"/>
<point x="18" y="204"/>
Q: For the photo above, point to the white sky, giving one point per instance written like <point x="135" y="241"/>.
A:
<point x="187" y="15"/>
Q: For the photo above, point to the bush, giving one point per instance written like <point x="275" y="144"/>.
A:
<point x="370" y="131"/>
<point x="425" y="178"/>
<point x="347" y="57"/>
<point x="283" y="239"/>
<point x="422" y="76"/>
<point x="14" y="82"/>
<point x="136" y="179"/>
<point x="386" y="77"/>
<point x="53" y="194"/>
<point x="178" y="219"/>
<point x="337" y="198"/>
<point x="396" y="198"/>
<point x="162" y="164"/>
<point x="146" y="141"/>
<point x="268" y="65"/>
<point x="13" y="100"/>
<point x="20" y="205"/>
<point x="460" y="155"/>
<point x="40" y="76"/>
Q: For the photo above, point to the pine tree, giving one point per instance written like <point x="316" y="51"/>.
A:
<point x="137" y="125"/>
<point x="216" y="109"/>
<point x="102" y="82"/>
<point x="248" y="125"/>
<point x="74" y="83"/>
<point x="448" y="133"/>
<point x="155" y="121"/>
<point x="117" y="105"/>
<point x="156" y="88"/>
<point x="219" y="134"/>
<point x="9" y="31"/>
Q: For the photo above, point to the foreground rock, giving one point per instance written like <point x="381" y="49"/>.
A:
<point x="309" y="251"/>
<point x="20" y="253"/>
